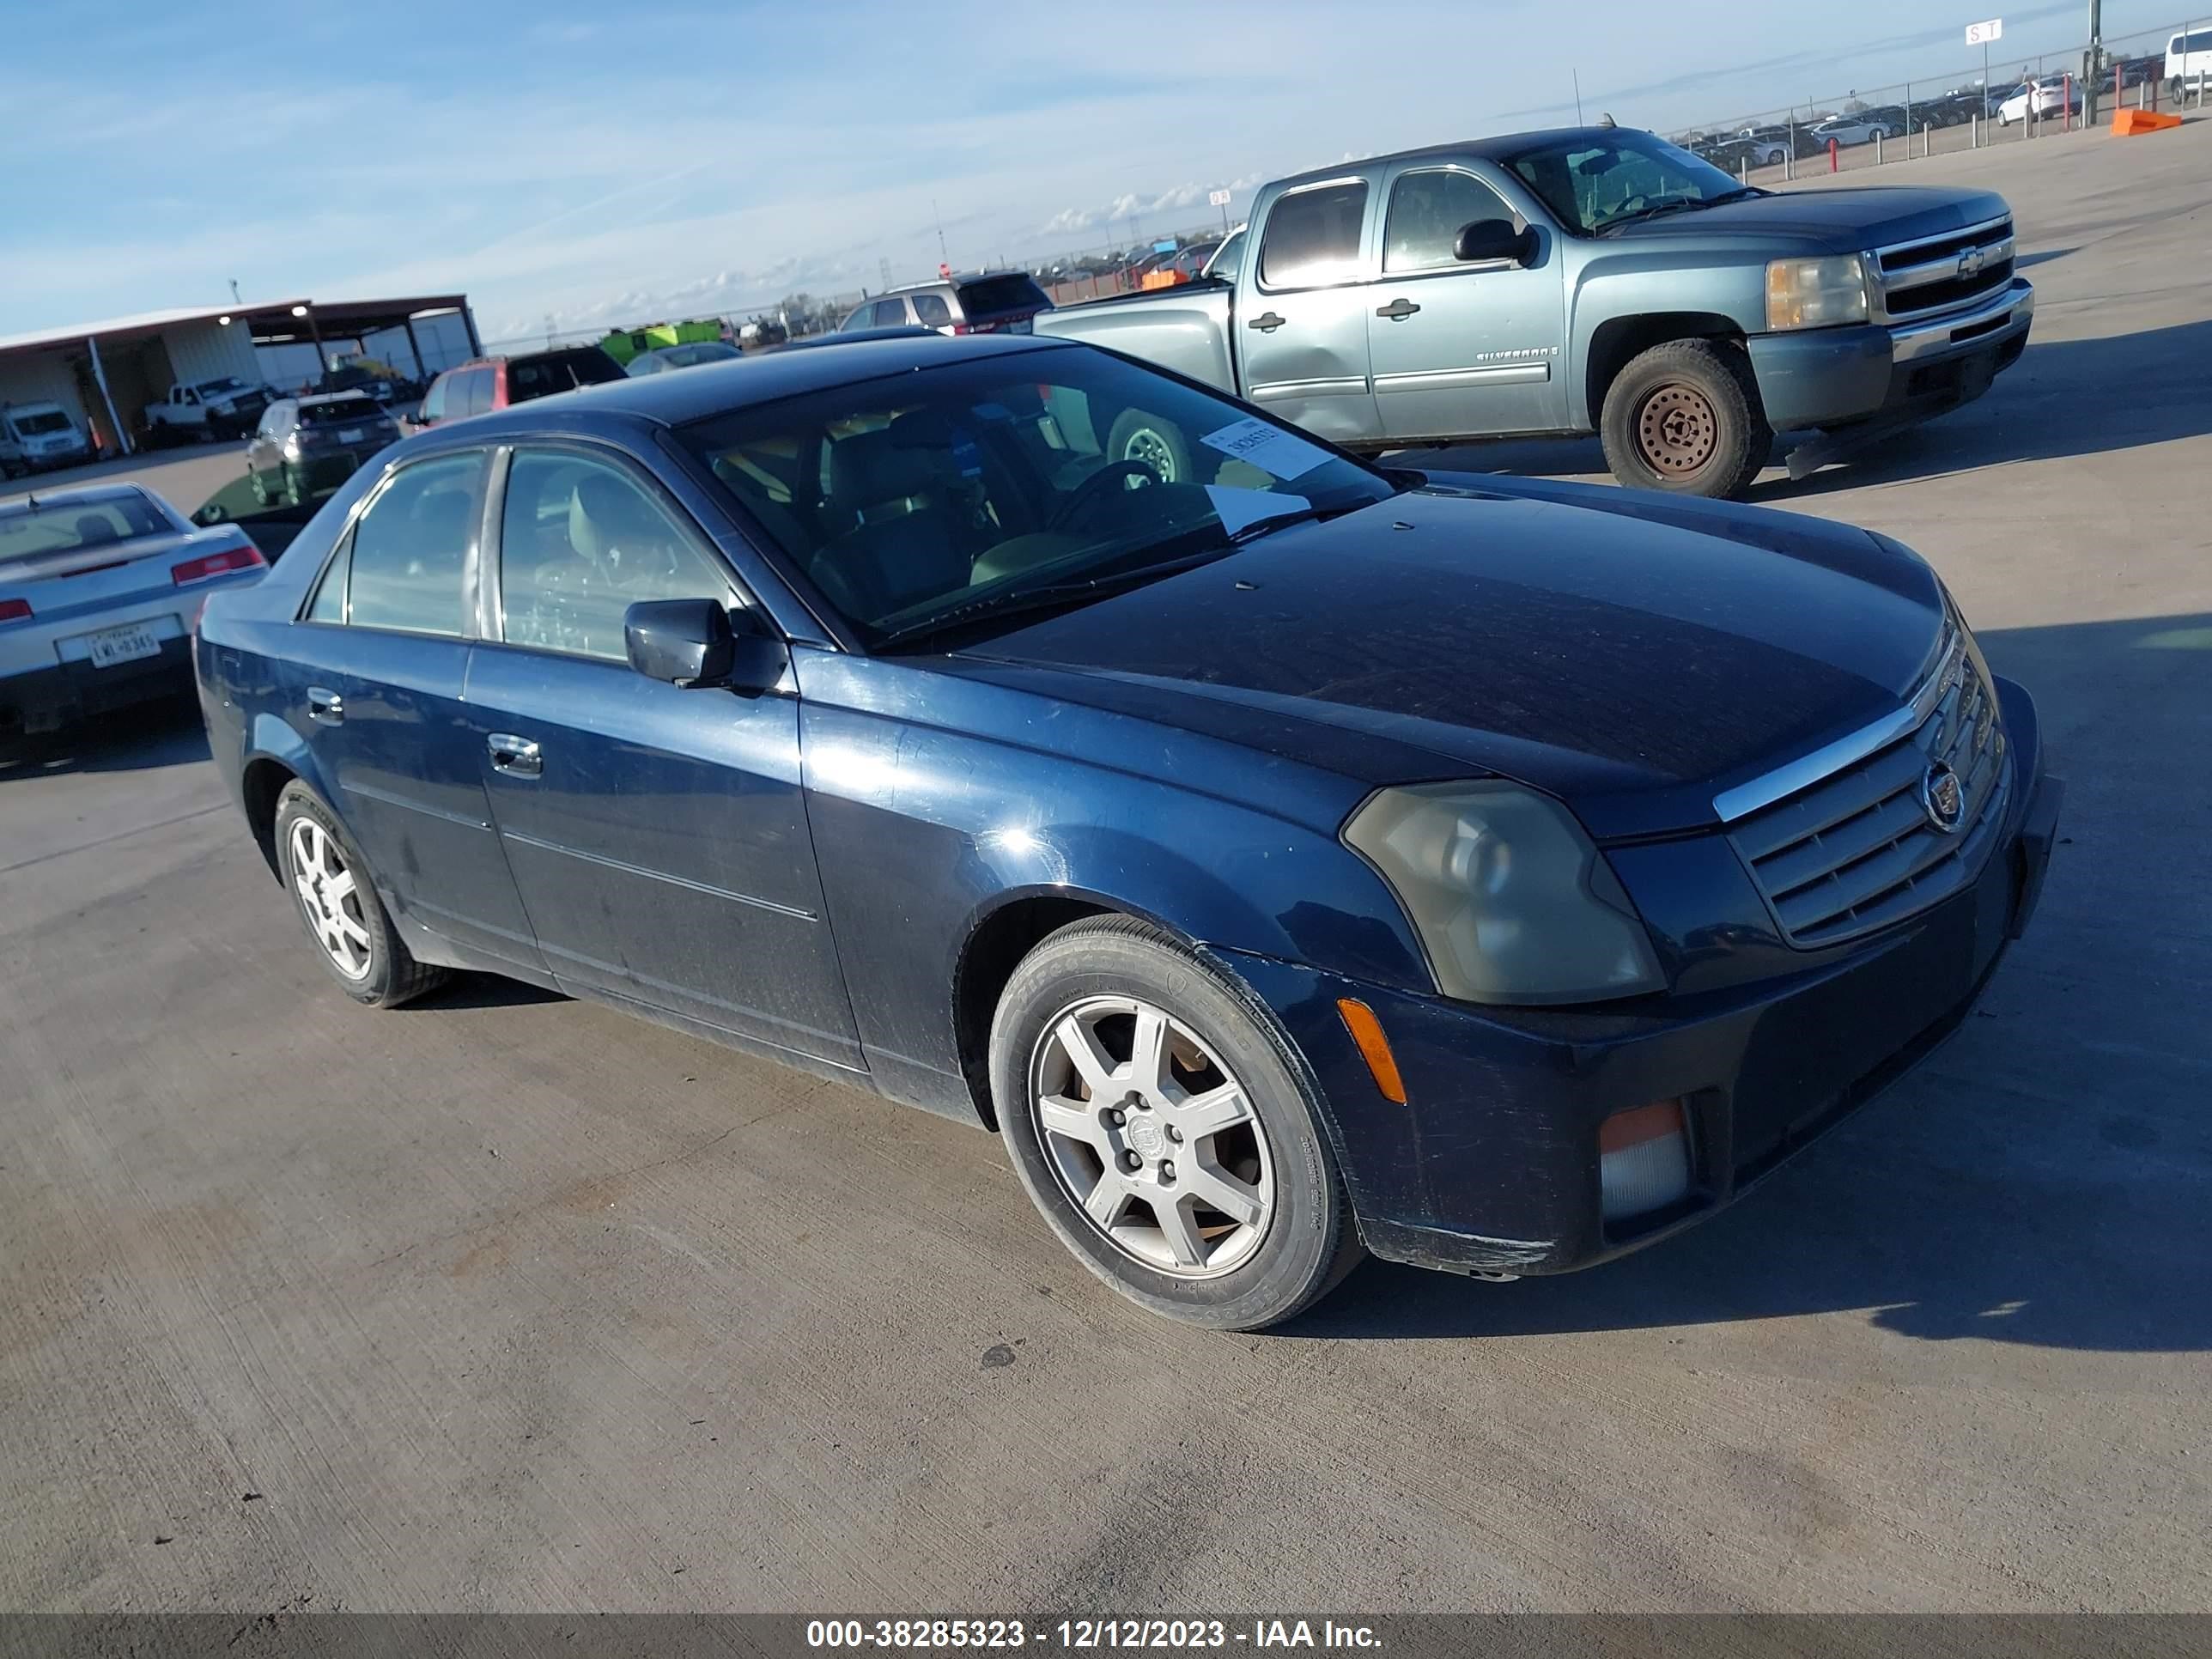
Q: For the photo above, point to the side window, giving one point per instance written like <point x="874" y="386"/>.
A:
<point x="434" y="400"/>
<point x="1229" y="256"/>
<point x="410" y="549"/>
<point x="581" y="541"/>
<point x="474" y="391"/>
<point x="329" y="599"/>
<point x="932" y="311"/>
<point x="1313" y="236"/>
<point x="1428" y="210"/>
<point x="890" y="313"/>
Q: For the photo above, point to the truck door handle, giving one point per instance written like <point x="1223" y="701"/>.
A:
<point x="1267" y="322"/>
<point x="518" y="757"/>
<point x="1397" y="311"/>
<point x="325" y="707"/>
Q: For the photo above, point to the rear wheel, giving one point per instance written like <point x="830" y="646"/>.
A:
<point x="1160" y="1121"/>
<point x="354" y="938"/>
<point x="1141" y="436"/>
<point x="1685" y="417"/>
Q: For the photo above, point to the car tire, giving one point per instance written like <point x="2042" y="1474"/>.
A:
<point x="1285" y="1237"/>
<point x="1685" y="418"/>
<point x="336" y="901"/>
<point x="1139" y="435"/>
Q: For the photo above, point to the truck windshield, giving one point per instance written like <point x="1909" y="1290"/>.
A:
<point x="939" y="498"/>
<point x="1594" y="180"/>
<point x="29" y="426"/>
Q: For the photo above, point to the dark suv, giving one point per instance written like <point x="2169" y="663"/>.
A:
<point x="489" y="383"/>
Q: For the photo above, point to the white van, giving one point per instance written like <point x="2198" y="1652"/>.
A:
<point x="40" y="437"/>
<point x="2189" y="58"/>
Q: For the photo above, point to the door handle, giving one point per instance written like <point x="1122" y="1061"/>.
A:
<point x="1397" y="311"/>
<point x="1267" y="322"/>
<point x="325" y="707"/>
<point x="516" y="756"/>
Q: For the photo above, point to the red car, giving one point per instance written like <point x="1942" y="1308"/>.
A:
<point x="488" y="382"/>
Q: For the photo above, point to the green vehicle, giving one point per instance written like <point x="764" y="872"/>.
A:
<point x="623" y="344"/>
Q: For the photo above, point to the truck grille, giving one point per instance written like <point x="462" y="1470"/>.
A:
<point x="1919" y="279"/>
<point x="1859" y="848"/>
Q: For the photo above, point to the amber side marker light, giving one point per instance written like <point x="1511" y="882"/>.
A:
<point x="1374" y="1047"/>
<point x="1643" y="1159"/>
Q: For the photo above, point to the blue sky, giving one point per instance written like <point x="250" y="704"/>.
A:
<point x="599" y="166"/>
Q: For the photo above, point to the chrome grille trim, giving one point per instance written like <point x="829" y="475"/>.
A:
<point x="1851" y="848"/>
<point x="1897" y="271"/>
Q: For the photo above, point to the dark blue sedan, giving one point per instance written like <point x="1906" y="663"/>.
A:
<point x="1286" y="856"/>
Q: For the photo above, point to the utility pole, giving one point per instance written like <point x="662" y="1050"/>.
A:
<point x="2093" y="64"/>
<point x="234" y="297"/>
<point x="1577" y="74"/>
<point x="943" y="257"/>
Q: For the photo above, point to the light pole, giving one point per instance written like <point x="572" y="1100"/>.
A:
<point x="2093" y="64"/>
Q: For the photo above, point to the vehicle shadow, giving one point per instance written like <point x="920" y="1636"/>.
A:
<point x="474" y="990"/>
<point x="2064" y="398"/>
<point x="2046" y="1178"/>
<point x="146" y="735"/>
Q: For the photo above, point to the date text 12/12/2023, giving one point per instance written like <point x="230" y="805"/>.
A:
<point x="1081" y="1635"/>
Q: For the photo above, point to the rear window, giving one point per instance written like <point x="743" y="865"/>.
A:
<point x="1313" y="236"/>
<point x="351" y="412"/>
<point x="559" y="371"/>
<point x="67" y="526"/>
<point x="989" y="296"/>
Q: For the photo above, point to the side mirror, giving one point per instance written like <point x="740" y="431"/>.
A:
<point x="693" y="642"/>
<point x="1494" y="239"/>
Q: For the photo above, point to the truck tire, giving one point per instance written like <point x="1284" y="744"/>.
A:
<point x="1138" y="436"/>
<point x="1685" y="418"/>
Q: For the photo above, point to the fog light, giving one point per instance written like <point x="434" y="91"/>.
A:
<point x="1644" y="1160"/>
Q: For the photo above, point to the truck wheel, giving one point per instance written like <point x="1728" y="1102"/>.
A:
<point x="1685" y="417"/>
<point x="1160" y="1120"/>
<point x="1141" y="436"/>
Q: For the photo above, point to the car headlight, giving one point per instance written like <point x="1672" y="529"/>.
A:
<point x="1510" y="900"/>
<point x="1816" y="293"/>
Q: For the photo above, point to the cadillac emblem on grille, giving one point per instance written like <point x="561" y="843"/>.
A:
<point x="1943" y="798"/>
<point x="1970" y="263"/>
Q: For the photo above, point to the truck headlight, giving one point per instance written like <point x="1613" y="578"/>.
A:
<point x="1816" y="293"/>
<point x="1511" y="900"/>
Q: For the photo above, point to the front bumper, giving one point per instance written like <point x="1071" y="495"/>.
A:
<point x="1839" y="377"/>
<point x="1492" y="1166"/>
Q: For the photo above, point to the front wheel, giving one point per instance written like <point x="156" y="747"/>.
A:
<point x="1685" y="417"/>
<point x="354" y="938"/>
<point x="1143" y="437"/>
<point x="1160" y="1120"/>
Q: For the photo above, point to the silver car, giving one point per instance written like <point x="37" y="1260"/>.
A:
<point x="990" y="302"/>
<point x="101" y="588"/>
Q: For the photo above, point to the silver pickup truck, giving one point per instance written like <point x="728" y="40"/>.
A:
<point x="1592" y="279"/>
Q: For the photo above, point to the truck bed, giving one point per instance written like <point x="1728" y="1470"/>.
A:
<point x="1184" y="328"/>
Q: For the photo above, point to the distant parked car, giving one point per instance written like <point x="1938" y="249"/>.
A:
<point x="2055" y="94"/>
<point x="1850" y="130"/>
<point x="689" y="355"/>
<point x="305" y="445"/>
<point x="202" y="411"/>
<point x="489" y="383"/>
<point x="40" y="437"/>
<point x="100" y="586"/>
<point x="990" y="302"/>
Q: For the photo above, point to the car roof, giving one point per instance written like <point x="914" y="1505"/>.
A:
<point x="1506" y="144"/>
<point x="768" y="377"/>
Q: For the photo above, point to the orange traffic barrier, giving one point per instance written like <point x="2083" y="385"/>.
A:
<point x="2126" y="123"/>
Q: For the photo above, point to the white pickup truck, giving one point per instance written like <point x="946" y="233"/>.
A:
<point x="204" y="411"/>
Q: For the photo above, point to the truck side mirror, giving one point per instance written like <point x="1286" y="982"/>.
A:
<point x="1487" y="240"/>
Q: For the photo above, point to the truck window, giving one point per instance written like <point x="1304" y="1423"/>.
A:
<point x="1428" y="210"/>
<point x="1312" y="237"/>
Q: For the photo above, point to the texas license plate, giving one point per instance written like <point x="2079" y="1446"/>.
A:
<point x="350" y="435"/>
<point x="119" y="645"/>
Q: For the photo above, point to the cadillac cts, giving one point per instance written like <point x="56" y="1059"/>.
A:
<point x="1293" y="860"/>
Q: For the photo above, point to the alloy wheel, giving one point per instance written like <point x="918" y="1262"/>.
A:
<point x="1154" y="451"/>
<point x="1152" y="1139"/>
<point x="330" y="898"/>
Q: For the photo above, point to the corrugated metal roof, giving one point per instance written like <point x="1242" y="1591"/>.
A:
<point x="145" y="323"/>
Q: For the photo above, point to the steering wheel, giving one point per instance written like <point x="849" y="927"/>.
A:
<point x="1096" y="484"/>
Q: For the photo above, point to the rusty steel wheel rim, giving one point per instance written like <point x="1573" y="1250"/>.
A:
<point x="1677" y="430"/>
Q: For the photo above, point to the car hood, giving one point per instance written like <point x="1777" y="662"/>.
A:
<point x="1633" y="654"/>
<point x="1843" y="221"/>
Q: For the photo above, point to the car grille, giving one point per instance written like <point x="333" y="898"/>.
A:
<point x="1858" y="849"/>
<point x="1919" y="279"/>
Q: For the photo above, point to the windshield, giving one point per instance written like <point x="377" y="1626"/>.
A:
<point x="48" y="420"/>
<point x="1593" y="181"/>
<point x="216" y="388"/>
<point x="347" y="411"/>
<point x="993" y="294"/>
<point x="65" y="525"/>
<point x="971" y="487"/>
<point x="559" y="371"/>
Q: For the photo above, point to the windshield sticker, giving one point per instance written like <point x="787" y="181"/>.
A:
<point x="1240" y="509"/>
<point x="1269" y="448"/>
